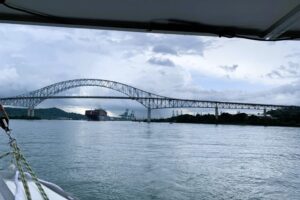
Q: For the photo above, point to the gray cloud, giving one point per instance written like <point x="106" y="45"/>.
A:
<point x="291" y="70"/>
<point x="228" y="68"/>
<point x="290" y="92"/>
<point x="161" y="61"/>
<point x="167" y="44"/>
<point x="291" y="55"/>
<point x="164" y="50"/>
<point x="274" y="74"/>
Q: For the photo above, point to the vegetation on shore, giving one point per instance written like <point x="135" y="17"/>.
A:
<point x="280" y="117"/>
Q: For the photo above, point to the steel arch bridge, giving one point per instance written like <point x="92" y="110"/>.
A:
<point x="32" y="99"/>
<point x="147" y="99"/>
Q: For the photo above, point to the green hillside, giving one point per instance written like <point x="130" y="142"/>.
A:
<point x="43" y="113"/>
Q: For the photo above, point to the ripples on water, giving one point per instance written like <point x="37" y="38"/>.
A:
<point x="128" y="160"/>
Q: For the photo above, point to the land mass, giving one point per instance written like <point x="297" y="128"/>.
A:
<point x="280" y="117"/>
<point x="44" y="113"/>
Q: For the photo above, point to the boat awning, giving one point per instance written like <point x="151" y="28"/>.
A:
<point x="254" y="19"/>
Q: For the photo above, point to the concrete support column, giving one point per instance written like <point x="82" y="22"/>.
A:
<point x="30" y="112"/>
<point x="216" y="112"/>
<point x="149" y="115"/>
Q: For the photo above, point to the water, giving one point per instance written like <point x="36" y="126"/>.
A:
<point x="127" y="160"/>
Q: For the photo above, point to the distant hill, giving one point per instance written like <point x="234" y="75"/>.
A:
<point x="43" y="113"/>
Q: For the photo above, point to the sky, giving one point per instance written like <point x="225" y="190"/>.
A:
<point x="180" y="66"/>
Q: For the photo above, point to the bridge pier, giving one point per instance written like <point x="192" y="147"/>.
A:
<point x="30" y="112"/>
<point x="148" y="115"/>
<point x="265" y="112"/>
<point x="216" y="112"/>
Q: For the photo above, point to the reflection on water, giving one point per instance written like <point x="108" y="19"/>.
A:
<point x="127" y="160"/>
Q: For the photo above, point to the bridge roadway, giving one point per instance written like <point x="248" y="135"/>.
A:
<point x="191" y="103"/>
<point x="149" y="100"/>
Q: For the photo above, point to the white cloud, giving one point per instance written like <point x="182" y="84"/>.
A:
<point x="8" y="74"/>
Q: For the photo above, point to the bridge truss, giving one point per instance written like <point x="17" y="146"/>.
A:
<point x="149" y="100"/>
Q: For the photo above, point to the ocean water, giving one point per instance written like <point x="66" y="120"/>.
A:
<point x="131" y="160"/>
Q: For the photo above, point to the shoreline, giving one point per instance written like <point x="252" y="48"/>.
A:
<point x="165" y="122"/>
<point x="232" y="124"/>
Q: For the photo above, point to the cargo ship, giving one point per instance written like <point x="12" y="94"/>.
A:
<point x="97" y="115"/>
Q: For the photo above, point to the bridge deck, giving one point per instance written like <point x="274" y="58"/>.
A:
<point x="209" y="104"/>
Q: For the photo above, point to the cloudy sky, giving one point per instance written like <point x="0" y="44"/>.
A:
<point x="207" y="68"/>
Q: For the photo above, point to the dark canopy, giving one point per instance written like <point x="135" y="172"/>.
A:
<point x="254" y="19"/>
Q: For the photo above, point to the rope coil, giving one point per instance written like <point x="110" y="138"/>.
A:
<point x="20" y="160"/>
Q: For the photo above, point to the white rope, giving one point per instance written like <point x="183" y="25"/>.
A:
<point x="19" y="191"/>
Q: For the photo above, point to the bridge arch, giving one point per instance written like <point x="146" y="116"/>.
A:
<point x="147" y="99"/>
<point x="56" y="88"/>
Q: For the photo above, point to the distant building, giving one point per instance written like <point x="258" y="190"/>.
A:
<point x="96" y="115"/>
